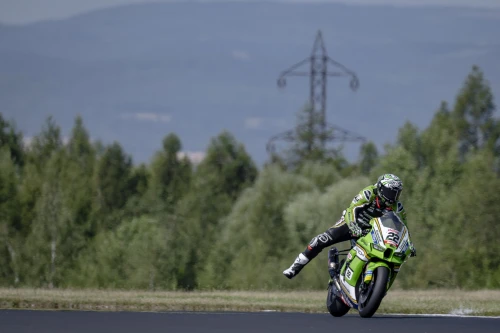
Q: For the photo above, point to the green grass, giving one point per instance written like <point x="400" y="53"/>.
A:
<point x="397" y="301"/>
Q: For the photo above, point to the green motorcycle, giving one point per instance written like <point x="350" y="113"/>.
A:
<point x="362" y="279"/>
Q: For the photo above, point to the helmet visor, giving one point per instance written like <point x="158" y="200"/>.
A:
<point x="389" y="194"/>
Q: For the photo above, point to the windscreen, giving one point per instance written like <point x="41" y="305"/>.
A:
<point x="391" y="220"/>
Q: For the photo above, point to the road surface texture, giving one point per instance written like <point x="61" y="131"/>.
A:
<point x="27" y="321"/>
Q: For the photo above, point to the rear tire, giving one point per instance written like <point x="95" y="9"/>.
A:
<point x="369" y="300"/>
<point x="335" y="306"/>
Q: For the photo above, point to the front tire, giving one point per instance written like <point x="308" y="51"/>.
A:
<point x="335" y="306"/>
<point x="371" y="297"/>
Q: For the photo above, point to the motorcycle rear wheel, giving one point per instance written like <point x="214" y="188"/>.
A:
<point x="336" y="307"/>
<point x="370" y="298"/>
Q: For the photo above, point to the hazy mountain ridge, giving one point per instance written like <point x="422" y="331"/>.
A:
<point x="205" y="67"/>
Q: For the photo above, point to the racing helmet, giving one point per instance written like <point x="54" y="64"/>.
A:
<point x="389" y="188"/>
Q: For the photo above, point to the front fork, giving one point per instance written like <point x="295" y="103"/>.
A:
<point x="370" y="268"/>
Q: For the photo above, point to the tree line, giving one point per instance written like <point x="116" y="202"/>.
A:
<point x="81" y="214"/>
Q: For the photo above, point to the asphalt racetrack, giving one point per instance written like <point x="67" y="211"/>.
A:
<point x="27" y="321"/>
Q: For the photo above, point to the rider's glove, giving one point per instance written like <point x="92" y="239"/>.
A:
<point x="356" y="231"/>
<point x="413" y="252"/>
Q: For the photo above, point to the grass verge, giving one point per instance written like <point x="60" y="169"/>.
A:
<point x="485" y="303"/>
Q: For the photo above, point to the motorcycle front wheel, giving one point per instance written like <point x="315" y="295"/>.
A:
<point x="371" y="296"/>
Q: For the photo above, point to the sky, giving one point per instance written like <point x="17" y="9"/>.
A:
<point x="29" y="11"/>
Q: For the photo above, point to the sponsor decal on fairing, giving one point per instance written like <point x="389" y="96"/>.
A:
<point x="349" y="292"/>
<point x="361" y="253"/>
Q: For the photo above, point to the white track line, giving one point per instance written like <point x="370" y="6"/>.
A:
<point x="436" y="315"/>
<point x="418" y="315"/>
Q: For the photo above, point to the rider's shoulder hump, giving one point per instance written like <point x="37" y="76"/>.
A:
<point x="368" y="192"/>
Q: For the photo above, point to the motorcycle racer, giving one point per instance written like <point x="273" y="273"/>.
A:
<point x="371" y="202"/>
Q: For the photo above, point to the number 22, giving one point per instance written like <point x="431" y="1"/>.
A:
<point x="393" y="237"/>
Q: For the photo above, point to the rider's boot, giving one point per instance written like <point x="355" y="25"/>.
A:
<point x="297" y="266"/>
